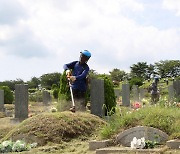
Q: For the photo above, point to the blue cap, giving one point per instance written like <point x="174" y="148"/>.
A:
<point x="86" y="53"/>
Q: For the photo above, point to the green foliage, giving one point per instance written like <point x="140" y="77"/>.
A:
<point x="32" y="90"/>
<point x="64" y="91"/>
<point x="8" y="95"/>
<point x="165" y="119"/>
<point x="55" y="93"/>
<point x="150" y="144"/>
<point x="47" y="80"/>
<point x="136" y="81"/>
<point x="33" y="83"/>
<point x="117" y="74"/>
<point x="168" y="68"/>
<point x="36" y="97"/>
<point x="110" y="98"/>
<point x="18" y="146"/>
<point x="11" y="84"/>
<point x="142" y="70"/>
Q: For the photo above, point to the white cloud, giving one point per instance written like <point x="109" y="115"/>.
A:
<point x="172" y="5"/>
<point x="53" y="32"/>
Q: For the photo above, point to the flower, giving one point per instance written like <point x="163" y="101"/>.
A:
<point x="138" y="143"/>
<point x="136" y="105"/>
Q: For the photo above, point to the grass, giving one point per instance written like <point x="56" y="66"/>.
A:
<point x="165" y="119"/>
<point x="55" y="127"/>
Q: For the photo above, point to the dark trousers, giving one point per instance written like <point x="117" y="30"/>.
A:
<point x="79" y="99"/>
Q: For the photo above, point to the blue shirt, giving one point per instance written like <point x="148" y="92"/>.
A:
<point x="80" y="71"/>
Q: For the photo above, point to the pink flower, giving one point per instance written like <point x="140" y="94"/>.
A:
<point x="136" y="105"/>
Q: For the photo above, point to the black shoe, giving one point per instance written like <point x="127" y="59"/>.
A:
<point x="72" y="109"/>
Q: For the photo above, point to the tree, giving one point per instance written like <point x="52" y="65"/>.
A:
<point x="141" y="70"/>
<point x="34" y="82"/>
<point x="117" y="74"/>
<point x="47" y="80"/>
<point x="168" y="68"/>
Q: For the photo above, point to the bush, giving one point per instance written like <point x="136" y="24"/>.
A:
<point x="55" y="92"/>
<point x="136" y="81"/>
<point x="64" y="91"/>
<point x="8" y="95"/>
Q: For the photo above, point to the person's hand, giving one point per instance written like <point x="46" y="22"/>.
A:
<point x="68" y="73"/>
<point x="72" y="78"/>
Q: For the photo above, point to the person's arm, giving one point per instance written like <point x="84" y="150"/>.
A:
<point x="67" y="68"/>
<point x="69" y="65"/>
<point x="83" y="74"/>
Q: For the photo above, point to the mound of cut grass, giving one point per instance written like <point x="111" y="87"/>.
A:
<point x="55" y="127"/>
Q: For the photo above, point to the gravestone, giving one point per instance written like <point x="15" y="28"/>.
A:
<point x="135" y="93"/>
<point x="46" y="97"/>
<point x="149" y="133"/>
<point x="125" y="95"/>
<point x="117" y="93"/>
<point x="1" y="100"/>
<point x="97" y="97"/>
<point x="176" y="85"/>
<point x="171" y="92"/>
<point x="141" y="93"/>
<point x="21" y="101"/>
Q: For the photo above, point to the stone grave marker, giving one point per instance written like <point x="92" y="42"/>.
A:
<point x="97" y="97"/>
<point x="149" y="133"/>
<point x="117" y="93"/>
<point x="171" y="92"/>
<point x="141" y="93"/>
<point x="125" y="95"/>
<point x="135" y="93"/>
<point x="176" y="85"/>
<point x="46" y="97"/>
<point x="21" y="101"/>
<point x="1" y="100"/>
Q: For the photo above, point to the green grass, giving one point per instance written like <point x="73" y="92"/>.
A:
<point x="55" y="127"/>
<point x="165" y="119"/>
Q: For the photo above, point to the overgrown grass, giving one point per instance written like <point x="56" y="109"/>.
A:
<point x="55" y="127"/>
<point x="165" y="119"/>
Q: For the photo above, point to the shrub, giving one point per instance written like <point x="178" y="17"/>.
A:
<point x="136" y="81"/>
<point x="55" y="92"/>
<point x="8" y="95"/>
<point x="64" y="91"/>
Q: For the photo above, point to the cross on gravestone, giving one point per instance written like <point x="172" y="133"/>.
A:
<point x="171" y="92"/>
<point x="97" y="97"/>
<point x="176" y="85"/>
<point x="1" y="100"/>
<point x="135" y="92"/>
<point x="21" y="101"/>
<point x="125" y="95"/>
<point x="46" y="97"/>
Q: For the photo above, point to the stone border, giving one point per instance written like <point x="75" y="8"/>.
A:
<point x="124" y="150"/>
<point x="93" y="145"/>
<point x="173" y="144"/>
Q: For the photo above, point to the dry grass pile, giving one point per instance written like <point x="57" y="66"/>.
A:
<point x="55" y="127"/>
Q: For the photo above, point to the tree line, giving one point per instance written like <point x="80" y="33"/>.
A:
<point x="141" y="71"/>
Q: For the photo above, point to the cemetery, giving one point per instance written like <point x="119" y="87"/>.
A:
<point x="118" y="120"/>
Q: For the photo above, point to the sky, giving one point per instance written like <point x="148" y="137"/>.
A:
<point x="40" y="36"/>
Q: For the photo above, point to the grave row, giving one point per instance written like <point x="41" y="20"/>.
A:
<point x="96" y="93"/>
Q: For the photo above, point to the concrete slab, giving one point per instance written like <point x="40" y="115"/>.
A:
<point x="93" y="145"/>
<point x="125" y="150"/>
<point x="173" y="144"/>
